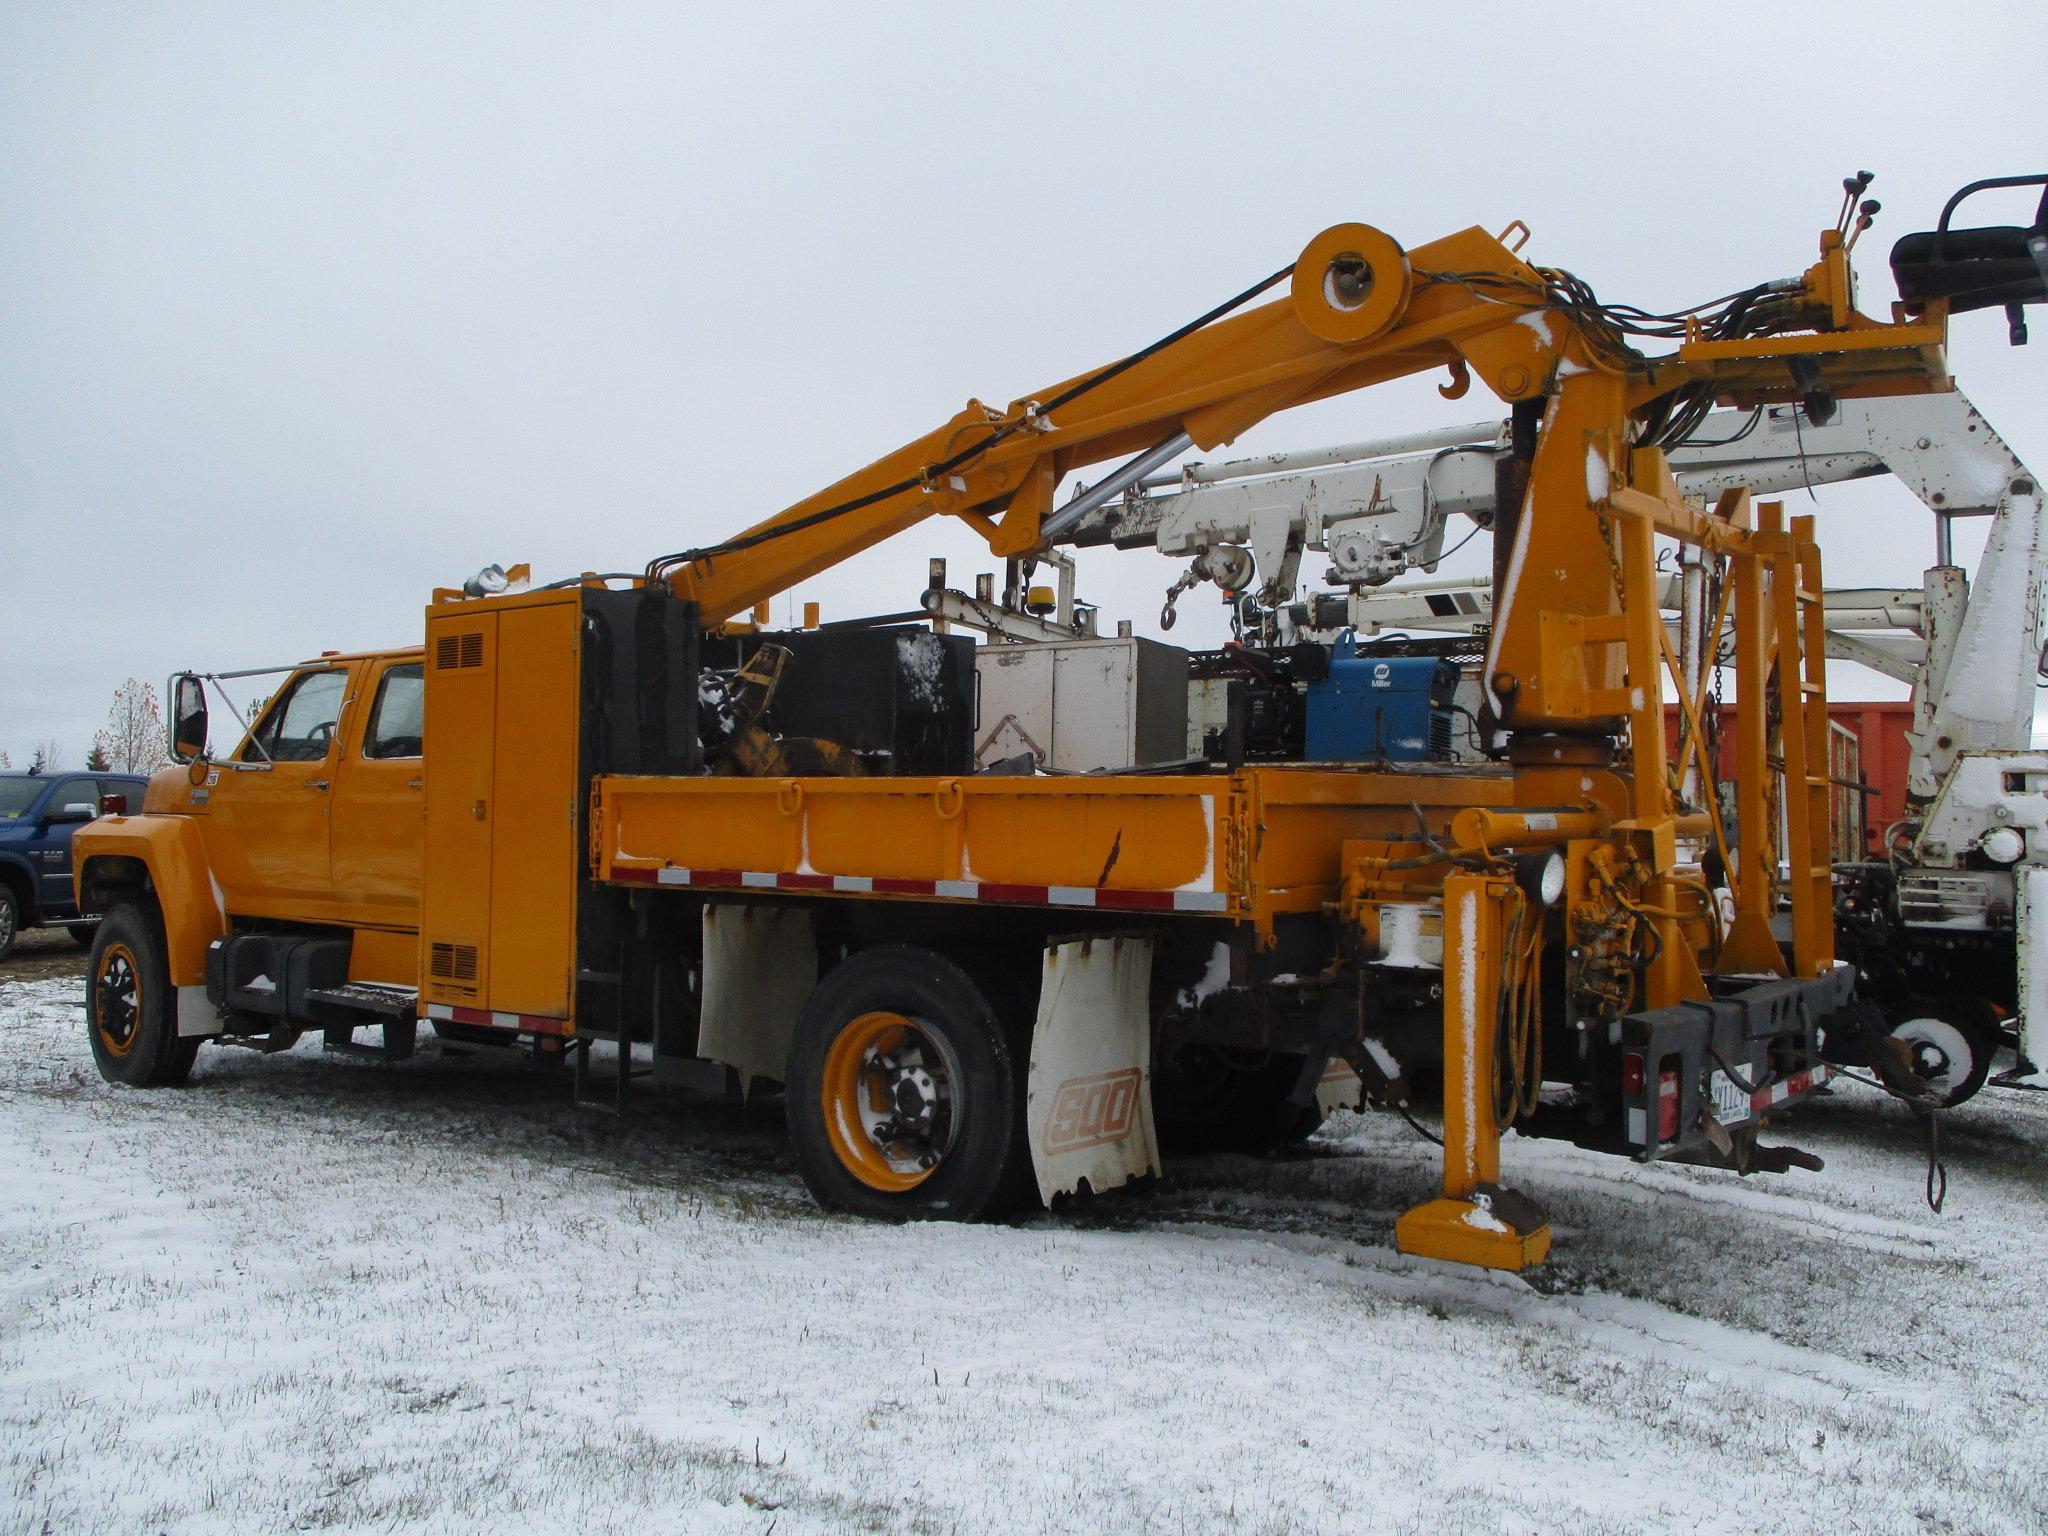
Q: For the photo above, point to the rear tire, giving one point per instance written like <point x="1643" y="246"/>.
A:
<point x="131" y="1010"/>
<point x="1950" y="1042"/>
<point x="906" y="1091"/>
<point x="10" y="920"/>
<point x="82" y="933"/>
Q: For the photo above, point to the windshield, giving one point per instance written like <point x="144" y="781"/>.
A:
<point x="17" y="795"/>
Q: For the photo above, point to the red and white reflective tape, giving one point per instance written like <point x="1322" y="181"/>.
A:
<point x="527" y="1023"/>
<point x="1798" y="1084"/>
<point x="949" y="890"/>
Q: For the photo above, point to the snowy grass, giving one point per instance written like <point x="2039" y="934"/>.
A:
<point x="310" y="1294"/>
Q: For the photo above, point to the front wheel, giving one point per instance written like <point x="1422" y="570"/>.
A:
<point x="906" y="1091"/>
<point x="82" y="933"/>
<point x="1948" y="1045"/>
<point x="131" y="1011"/>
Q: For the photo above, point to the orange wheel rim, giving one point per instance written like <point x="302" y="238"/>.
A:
<point x="890" y="1100"/>
<point x="117" y="999"/>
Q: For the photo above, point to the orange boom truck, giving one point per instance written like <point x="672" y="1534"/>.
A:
<point x="611" y="809"/>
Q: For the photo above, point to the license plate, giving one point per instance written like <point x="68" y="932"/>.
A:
<point x="1730" y="1102"/>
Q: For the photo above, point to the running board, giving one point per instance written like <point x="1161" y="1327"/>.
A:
<point x="369" y="997"/>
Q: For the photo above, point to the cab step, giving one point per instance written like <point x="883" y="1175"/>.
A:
<point x="370" y="997"/>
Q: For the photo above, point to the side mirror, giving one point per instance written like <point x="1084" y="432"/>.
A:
<point x="188" y="717"/>
<point x="77" y="810"/>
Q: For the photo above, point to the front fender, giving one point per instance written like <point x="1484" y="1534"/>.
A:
<point x="164" y="855"/>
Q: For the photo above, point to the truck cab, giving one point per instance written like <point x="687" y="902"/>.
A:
<point x="314" y="817"/>
<point x="39" y="813"/>
<point x="304" y="838"/>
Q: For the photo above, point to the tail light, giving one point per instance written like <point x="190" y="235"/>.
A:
<point x="1632" y="1075"/>
<point x="1667" y="1106"/>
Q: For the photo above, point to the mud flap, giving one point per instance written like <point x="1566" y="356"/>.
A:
<point x="760" y="966"/>
<point x="1339" y="1088"/>
<point x="1089" y="1103"/>
<point x="196" y="1013"/>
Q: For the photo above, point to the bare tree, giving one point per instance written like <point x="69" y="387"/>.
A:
<point x="133" y="741"/>
<point x="6" y="762"/>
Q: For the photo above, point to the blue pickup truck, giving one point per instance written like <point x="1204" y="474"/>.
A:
<point x="38" y="814"/>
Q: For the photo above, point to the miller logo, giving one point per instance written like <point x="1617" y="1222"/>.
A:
<point x="1089" y="1111"/>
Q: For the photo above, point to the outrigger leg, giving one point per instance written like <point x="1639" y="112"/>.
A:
<point x="1476" y="1221"/>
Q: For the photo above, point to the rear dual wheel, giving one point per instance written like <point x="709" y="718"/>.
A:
<point x="906" y="1085"/>
<point x="131" y="1011"/>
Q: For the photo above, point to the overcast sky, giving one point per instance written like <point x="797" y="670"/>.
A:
<point x="306" y="310"/>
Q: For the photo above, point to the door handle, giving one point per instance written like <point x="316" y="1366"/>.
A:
<point x="316" y="783"/>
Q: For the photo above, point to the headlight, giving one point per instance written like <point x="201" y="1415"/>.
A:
<point x="2003" y="845"/>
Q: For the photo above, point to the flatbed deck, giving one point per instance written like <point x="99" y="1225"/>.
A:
<point x="1245" y="845"/>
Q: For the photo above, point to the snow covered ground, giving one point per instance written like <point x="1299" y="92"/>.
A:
<point x="307" y="1293"/>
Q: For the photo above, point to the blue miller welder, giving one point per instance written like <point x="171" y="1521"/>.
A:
<point x="1380" y="708"/>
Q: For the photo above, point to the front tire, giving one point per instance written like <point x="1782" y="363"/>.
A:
<point x="906" y="1091"/>
<point x="82" y="933"/>
<point x="131" y="1011"/>
<point x="1949" y="1044"/>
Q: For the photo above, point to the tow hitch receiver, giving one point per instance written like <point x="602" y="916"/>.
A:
<point x="1697" y="1077"/>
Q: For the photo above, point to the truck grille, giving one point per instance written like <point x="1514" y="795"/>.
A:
<point x="1946" y="899"/>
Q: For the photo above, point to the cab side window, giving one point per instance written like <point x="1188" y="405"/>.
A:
<point x="395" y="719"/>
<point x="299" y="726"/>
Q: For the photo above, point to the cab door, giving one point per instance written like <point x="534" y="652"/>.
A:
<point x="380" y="802"/>
<point x="269" y="828"/>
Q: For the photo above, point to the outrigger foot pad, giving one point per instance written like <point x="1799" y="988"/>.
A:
<point x="1495" y="1228"/>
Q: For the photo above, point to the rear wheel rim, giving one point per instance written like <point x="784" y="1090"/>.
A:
<point x="117" y="999"/>
<point x="890" y="1100"/>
